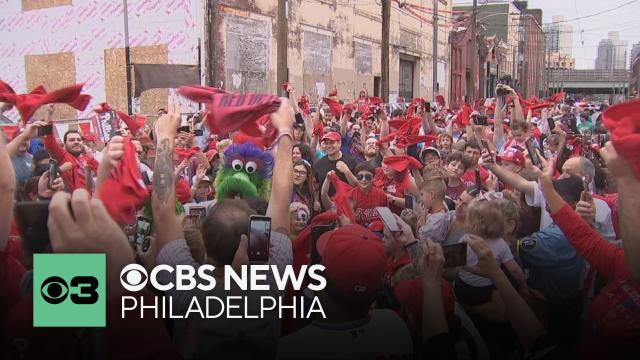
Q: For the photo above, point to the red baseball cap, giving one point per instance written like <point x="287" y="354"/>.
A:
<point x="514" y="155"/>
<point x="354" y="259"/>
<point x="333" y="136"/>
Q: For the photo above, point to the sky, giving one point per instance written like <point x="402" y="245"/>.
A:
<point x="588" y="32"/>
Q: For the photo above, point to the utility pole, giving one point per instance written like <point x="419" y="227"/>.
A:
<point x="127" y="57"/>
<point x="282" y="32"/>
<point x="384" y="61"/>
<point x="474" y="51"/>
<point x="435" y="48"/>
<point x="209" y="57"/>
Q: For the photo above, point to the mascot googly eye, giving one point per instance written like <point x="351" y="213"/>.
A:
<point x="237" y="165"/>
<point x="251" y="167"/>
<point x="245" y="172"/>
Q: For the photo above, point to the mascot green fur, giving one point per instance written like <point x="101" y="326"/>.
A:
<point x="245" y="173"/>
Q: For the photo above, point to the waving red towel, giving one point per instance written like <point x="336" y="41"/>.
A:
<point x="199" y="93"/>
<point x="27" y="104"/>
<point x="334" y="106"/>
<point x="341" y="197"/>
<point x="623" y="121"/>
<point x="124" y="193"/>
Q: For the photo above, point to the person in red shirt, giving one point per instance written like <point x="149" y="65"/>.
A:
<point x="473" y="150"/>
<point x="457" y="165"/>
<point x="366" y="197"/>
<point x="393" y="178"/>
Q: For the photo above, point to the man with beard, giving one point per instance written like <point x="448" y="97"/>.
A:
<point x="70" y="153"/>
<point x="372" y="154"/>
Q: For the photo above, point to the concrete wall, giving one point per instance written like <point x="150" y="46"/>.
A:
<point x="331" y="44"/>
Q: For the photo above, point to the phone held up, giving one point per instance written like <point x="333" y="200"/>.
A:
<point x="316" y="232"/>
<point x="53" y="172"/>
<point x="455" y="254"/>
<point x="259" y="238"/>
<point x="533" y="154"/>
<point x="388" y="219"/>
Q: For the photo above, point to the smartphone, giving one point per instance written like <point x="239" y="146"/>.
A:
<point x="408" y="201"/>
<point x="485" y="144"/>
<point x="316" y="232"/>
<point x="53" y="172"/>
<point x="552" y="124"/>
<point x="31" y="217"/>
<point x="45" y="130"/>
<point x="259" y="238"/>
<point x="143" y="230"/>
<point x="480" y="120"/>
<point x="533" y="154"/>
<point x="389" y="220"/>
<point x="478" y="179"/>
<point x="185" y="129"/>
<point x="455" y="254"/>
<point x="198" y="132"/>
<point x="200" y="211"/>
<point x="145" y="178"/>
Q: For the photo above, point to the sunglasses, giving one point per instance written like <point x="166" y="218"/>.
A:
<point x="366" y="177"/>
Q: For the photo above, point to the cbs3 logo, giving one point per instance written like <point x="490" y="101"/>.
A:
<point x="55" y="290"/>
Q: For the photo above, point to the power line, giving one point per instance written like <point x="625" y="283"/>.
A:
<point x="596" y="14"/>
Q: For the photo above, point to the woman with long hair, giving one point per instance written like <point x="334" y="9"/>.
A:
<point x="303" y="188"/>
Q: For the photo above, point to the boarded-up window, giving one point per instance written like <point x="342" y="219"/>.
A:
<point x="317" y="53"/>
<point x="247" y="54"/>
<point x="364" y="56"/>
<point x="408" y="40"/>
<point x="116" y="77"/>
<point x="53" y="71"/>
<point x="42" y="4"/>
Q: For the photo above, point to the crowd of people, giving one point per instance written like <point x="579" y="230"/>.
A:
<point x="512" y="230"/>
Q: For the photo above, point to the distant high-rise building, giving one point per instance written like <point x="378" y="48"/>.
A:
<point x="559" y="36"/>
<point x="612" y="53"/>
<point x="635" y="50"/>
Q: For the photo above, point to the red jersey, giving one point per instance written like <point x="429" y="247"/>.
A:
<point x="74" y="178"/>
<point x="397" y="186"/>
<point x="469" y="177"/>
<point x="365" y="204"/>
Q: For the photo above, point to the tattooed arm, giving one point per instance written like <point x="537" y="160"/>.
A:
<point x="168" y="226"/>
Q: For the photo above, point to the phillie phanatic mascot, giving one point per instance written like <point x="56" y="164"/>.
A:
<point x="244" y="173"/>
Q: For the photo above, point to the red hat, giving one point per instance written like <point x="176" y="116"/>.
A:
<point x="333" y="136"/>
<point x="623" y="121"/>
<point x="354" y="259"/>
<point x="400" y="163"/>
<point x="513" y="155"/>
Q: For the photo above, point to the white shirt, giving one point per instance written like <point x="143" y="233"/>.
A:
<point x="500" y="251"/>
<point x="602" y="222"/>
<point x="382" y="336"/>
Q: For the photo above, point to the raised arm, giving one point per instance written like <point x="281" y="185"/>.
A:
<point x="7" y="189"/>
<point x="282" y="180"/>
<point x="50" y="143"/>
<point x="343" y="123"/>
<point x="511" y="178"/>
<point x="498" y="131"/>
<point x="163" y="197"/>
<point x="27" y="134"/>
<point x="518" y="113"/>
<point x="628" y="205"/>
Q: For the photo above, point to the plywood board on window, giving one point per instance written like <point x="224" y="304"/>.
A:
<point x="53" y="71"/>
<point x="43" y="4"/>
<point x="116" y="77"/>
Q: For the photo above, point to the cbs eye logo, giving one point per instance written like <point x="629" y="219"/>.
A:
<point x="133" y="277"/>
<point x="55" y="290"/>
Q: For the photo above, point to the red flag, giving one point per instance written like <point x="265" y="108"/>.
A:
<point x="334" y="106"/>
<point x="124" y="193"/>
<point x="27" y="104"/>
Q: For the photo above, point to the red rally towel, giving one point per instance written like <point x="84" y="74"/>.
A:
<point x="27" y="104"/>
<point x="341" y="197"/>
<point x="334" y="106"/>
<point x="186" y="153"/>
<point x="199" y="93"/>
<point x="124" y="193"/>
<point x="623" y="121"/>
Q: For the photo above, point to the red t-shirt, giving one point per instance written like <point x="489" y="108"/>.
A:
<point x="469" y="177"/>
<point x="454" y="192"/>
<point x="365" y="204"/>
<point x="397" y="186"/>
